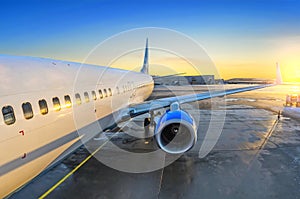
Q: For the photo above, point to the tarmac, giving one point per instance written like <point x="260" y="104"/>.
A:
<point x="256" y="155"/>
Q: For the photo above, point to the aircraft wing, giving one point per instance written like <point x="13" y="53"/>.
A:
<point x="146" y="107"/>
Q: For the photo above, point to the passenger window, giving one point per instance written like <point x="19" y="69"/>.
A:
<point x="56" y="104"/>
<point x="105" y="93"/>
<point x="94" y="95"/>
<point x="27" y="110"/>
<point x="86" y="97"/>
<point x="43" y="107"/>
<point x="100" y="93"/>
<point x="118" y="91"/>
<point x="68" y="101"/>
<point x="109" y="92"/>
<point x="8" y="115"/>
<point x="78" y="98"/>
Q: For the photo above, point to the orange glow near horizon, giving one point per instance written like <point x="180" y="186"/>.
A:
<point x="290" y="72"/>
<point x="226" y="59"/>
<point x="266" y="70"/>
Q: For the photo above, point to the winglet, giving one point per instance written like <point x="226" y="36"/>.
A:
<point x="145" y="68"/>
<point x="278" y="74"/>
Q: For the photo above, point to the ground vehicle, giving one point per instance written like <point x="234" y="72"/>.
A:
<point x="292" y="99"/>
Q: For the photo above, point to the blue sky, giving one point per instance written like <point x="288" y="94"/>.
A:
<point x="241" y="31"/>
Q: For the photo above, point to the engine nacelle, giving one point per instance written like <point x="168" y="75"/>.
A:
<point x="176" y="132"/>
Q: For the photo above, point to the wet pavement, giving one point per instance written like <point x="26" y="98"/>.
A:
<point x="255" y="156"/>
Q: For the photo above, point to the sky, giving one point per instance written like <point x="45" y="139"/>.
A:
<point x="243" y="38"/>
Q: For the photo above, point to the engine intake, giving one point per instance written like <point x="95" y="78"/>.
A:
<point x="176" y="132"/>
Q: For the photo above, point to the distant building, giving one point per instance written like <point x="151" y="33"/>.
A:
<point x="249" y="81"/>
<point x="206" y="80"/>
<point x="201" y="79"/>
<point x="185" y="80"/>
<point x="170" y="80"/>
<point x="219" y="81"/>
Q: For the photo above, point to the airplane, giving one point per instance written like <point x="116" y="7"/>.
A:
<point x="45" y="103"/>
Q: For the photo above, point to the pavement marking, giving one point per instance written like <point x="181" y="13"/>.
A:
<point x="71" y="172"/>
<point x="161" y="180"/>
<point x="269" y="134"/>
<point x="76" y="168"/>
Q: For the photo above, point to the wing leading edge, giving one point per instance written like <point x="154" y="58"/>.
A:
<point x="146" y="107"/>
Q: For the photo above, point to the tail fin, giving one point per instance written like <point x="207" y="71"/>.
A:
<point x="145" y="68"/>
<point x="278" y="74"/>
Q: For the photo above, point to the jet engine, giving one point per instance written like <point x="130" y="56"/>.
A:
<point x="175" y="131"/>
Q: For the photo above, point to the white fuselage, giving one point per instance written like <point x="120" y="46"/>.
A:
<point x="31" y="141"/>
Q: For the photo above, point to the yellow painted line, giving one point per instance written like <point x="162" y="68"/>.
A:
<point x="71" y="172"/>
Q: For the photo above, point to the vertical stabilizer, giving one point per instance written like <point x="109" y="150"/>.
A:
<point x="278" y="74"/>
<point x="145" y="68"/>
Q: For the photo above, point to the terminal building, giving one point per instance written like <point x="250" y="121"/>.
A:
<point x="205" y="80"/>
<point x="186" y="80"/>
